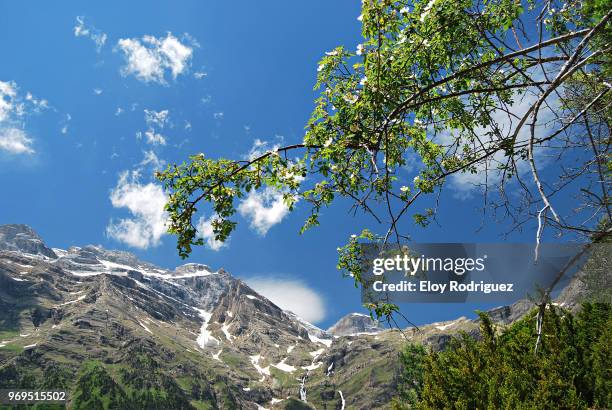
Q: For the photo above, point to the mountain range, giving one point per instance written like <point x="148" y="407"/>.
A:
<point x="118" y="332"/>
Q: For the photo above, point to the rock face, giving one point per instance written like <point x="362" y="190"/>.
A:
<point x="22" y="238"/>
<point x="355" y="323"/>
<point x="193" y="337"/>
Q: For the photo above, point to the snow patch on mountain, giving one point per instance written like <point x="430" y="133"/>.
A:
<point x="228" y="335"/>
<point x="284" y="366"/>
<point x="144" y="327"/>
<point x="205" y="338"/>
<point x="326" y="342"/>
<point x="264" y="371"/>
<point x="317" y="352"/>
<point x="72" y="301"/>
<point x="446" y="326"/>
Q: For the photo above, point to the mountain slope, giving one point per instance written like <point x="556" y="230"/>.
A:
<point x="193" y="336"/>
<point x="115" y="330"/>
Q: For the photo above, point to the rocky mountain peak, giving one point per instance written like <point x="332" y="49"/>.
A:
<point x="22" y="238"/>
<point x="355" y="323"/>
<point x="192" y="268"/>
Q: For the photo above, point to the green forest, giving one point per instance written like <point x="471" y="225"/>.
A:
<point x="500" y="370"/>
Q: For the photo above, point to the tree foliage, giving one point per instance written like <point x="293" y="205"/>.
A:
<point x="500" y="370"/>
<point x="412" y="361"/>
<point x="434" y="80"/>
<point x="500" y="89"/>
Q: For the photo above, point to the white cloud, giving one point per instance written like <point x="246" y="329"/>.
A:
<point x="157" y="118"/>
<point x="15" y="141"/>
<point x="37" y="104"/>
<point x="218" y="115"/>
<point x="83" y="30"/>
<point x="292" y="295"/>
<point x="263" y="209"/>
<point x="266" y="208"/>
<point x="142" y="62"/>
<point x="146" y="204"/>
<point x="150" y="158"/>
<point x="413" y="163"/>
<point x="8" y="94"/>
<point x="205" y="231"/>
<point x="465" y="184"/>
<point x="176" y="53"/>
<point x="65" y="124"/>
<point x="13" y="108"/>
<point x="149" y="58"/>
<point x="155" y="138"/>
<point x="260" y="147"/>
<point x="98" y="91"/>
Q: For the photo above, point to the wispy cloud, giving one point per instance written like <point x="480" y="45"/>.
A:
<point x="151" y="59"/>
<point x="14" y="107"/>
<point x="488" y="173"/>
<point x="153" y="138"/>
<point x="159" y="119"/>
<point x="65" y="124"/>
<point x="292" y="295"/>
<point x="151" y="160"/>
<point x="83" y="30"/>
<point x="156" y="121"/>
<point x="8" y="98"/>
<point x="260" y="146"/>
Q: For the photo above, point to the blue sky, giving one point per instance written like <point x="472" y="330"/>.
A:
<point x="78" y="152"/>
